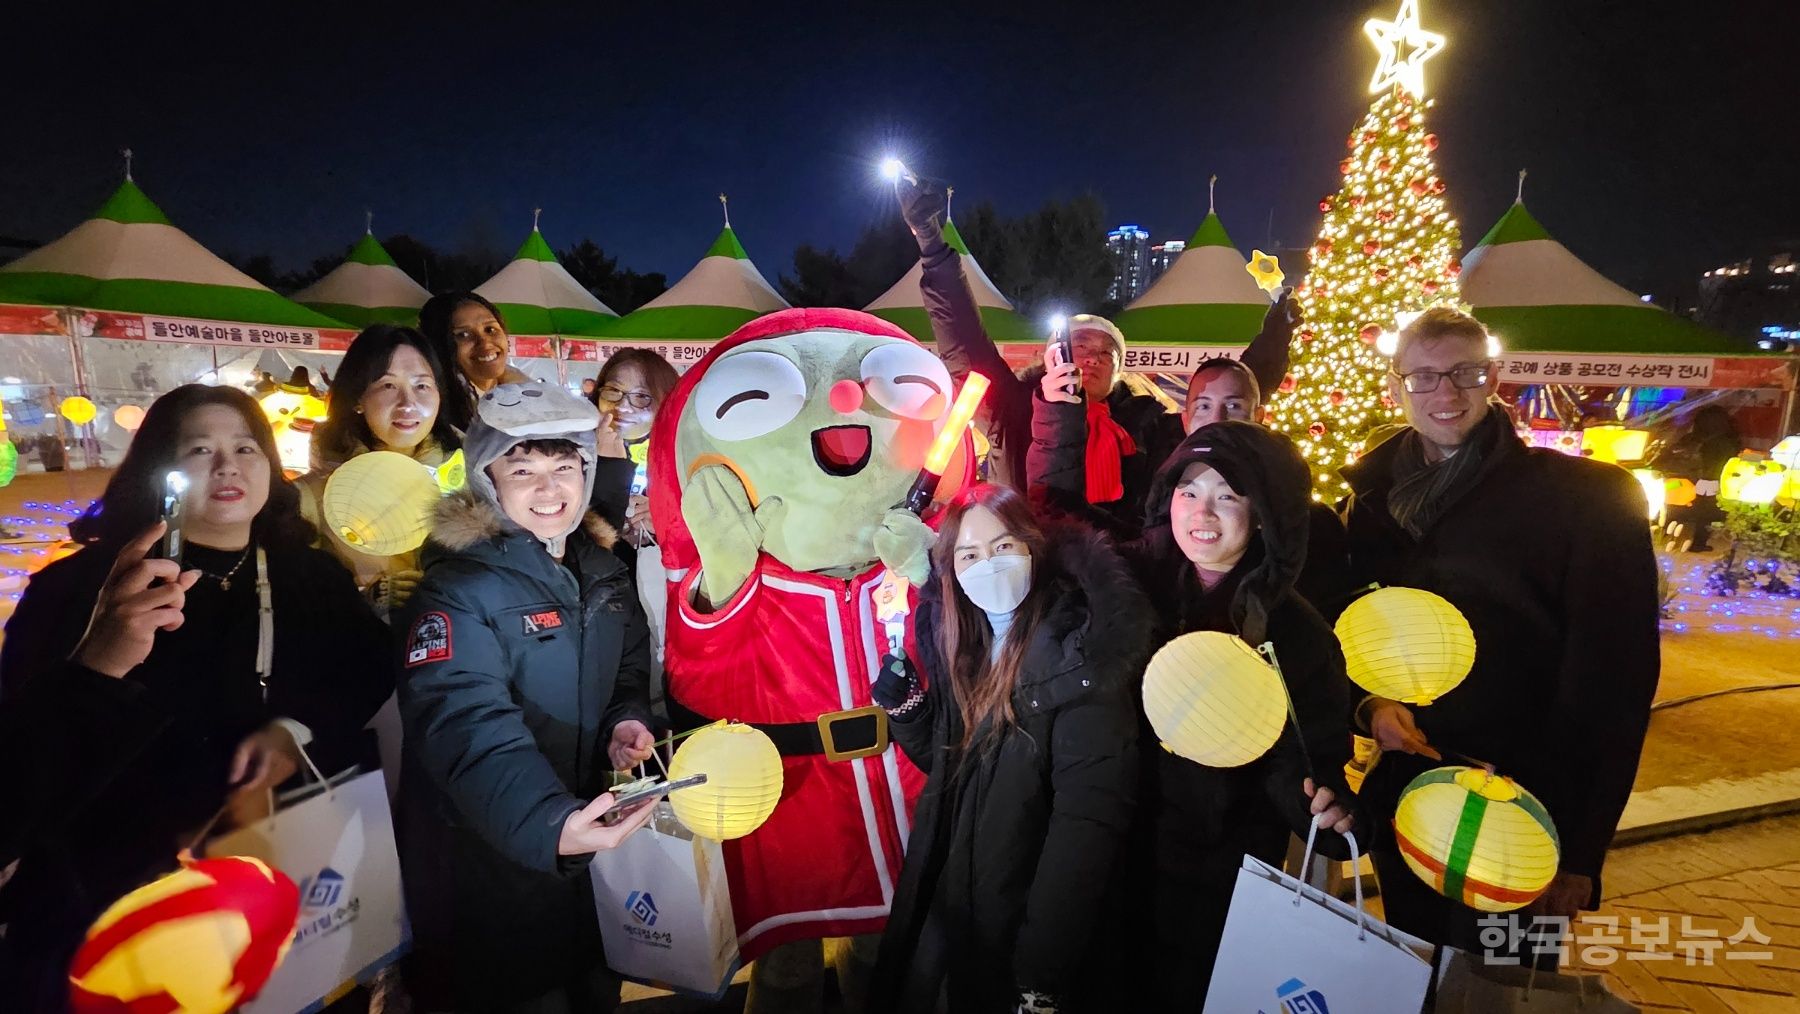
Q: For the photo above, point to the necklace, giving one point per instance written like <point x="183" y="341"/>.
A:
<point x="225" y="579"/>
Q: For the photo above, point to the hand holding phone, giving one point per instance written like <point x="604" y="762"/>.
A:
<point x="168" y="546"/>
<point x="626" y="803"/>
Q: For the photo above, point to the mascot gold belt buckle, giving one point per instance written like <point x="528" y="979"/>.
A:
<point x="830" y="721"/>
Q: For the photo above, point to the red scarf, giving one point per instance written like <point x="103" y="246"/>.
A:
<point x="1107" y="446"/>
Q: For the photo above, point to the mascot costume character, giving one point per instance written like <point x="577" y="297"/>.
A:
<point x="789" y="446"/>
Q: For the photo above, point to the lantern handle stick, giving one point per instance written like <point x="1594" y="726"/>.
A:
<point x="1267" y="650"/>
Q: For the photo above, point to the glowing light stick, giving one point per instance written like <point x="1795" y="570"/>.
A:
<point x="893" y="170"/>
<point x="1266" y="269"/>
<point x="938" y="458"/>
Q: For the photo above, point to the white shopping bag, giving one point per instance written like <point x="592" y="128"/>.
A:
<point x="337" y="843"/>
<point x="1468" y="984"/>
<point x="1290" y="947"/>
<point x="665" y="909"/>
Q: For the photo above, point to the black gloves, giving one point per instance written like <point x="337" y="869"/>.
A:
<point x="924" y="206"/>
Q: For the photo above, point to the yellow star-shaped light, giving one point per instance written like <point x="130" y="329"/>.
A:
<point x="1266" y="269"/>
<point x="1404" y="48"/>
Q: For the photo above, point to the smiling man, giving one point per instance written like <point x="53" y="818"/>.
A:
<point x="1549" y="558"/>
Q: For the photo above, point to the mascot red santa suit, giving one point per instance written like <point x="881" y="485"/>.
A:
<point x="790" y="445"/>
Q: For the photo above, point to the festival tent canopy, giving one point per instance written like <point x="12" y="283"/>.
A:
<point x="128" y="258"/>
<point x="722" y="293"/>
<point x="1536" y="296"/>
<point x="903" y="305"/>
<point x="1207" y="296"/>
<point x="368" y="288"/>
<point x="537" y="296"/>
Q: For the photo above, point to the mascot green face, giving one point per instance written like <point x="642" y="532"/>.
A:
<point x="816" y="435"/>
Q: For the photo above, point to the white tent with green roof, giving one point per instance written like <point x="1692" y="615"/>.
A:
<point x="722" y="293"/>
<point x="128" y="258"/>
<point x="1207" y="296"/>
<point x="1536" y="296"/>
<point x="539" y="297"/>
<point x="368" y="288"/>
<point x="903" y="305"/>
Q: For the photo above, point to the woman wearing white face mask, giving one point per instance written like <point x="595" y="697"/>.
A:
<point x="1024" y="722"/>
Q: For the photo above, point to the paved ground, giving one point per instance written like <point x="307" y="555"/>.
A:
<point x="1715" y="880"/>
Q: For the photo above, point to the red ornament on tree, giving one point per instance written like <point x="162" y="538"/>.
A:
<point x="1430" y="142"/>
<point x="1369" y="333"/>
<point x="1323" y="246"/>
<point x="1344" y="166"/>
<point x="1370" y="247"/>
<point x="1287" y="383"/>
<point x="1381" y="274"/>
<point x="1415" y="262"/>
<point x="1337" y="397"/>
<point x="1419" y="186"/>
<point x="1369" y="136"/>
<point x="1306" y="336"/>
<point x="1316" y="429"/>
<point x="1384" y="165"/>
<point x="1454" y="269"/>
<point x="1385" y="215"/>
<point x="1429" y="287"/>
<point x="1387" y="400"/>
<point x="1325" y="204"/>
<point x="1402" y="122"/>
<point x="1356" y="200"/>
<point x="1437" y="186"/>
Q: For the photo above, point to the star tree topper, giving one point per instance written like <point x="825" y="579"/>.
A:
<point x="1404" y="48"/>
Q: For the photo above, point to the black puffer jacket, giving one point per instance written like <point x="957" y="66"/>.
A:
<point x="1196" y="823"/>
<point x="1012" y="853"/>
<point x="514" y="669"/>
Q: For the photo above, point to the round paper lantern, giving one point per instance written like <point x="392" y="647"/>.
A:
<point x="1614" y="443"/>
<point x="1405" y="644"/>
<point x="78" y="410"/>
<point x="743" y="780"/>
<point x="380" y="503"/>
<point x="129" y="417"/>
<point x="1213" y="700"/>
<point x="1477" y="838"/>
<point x="203" y="939"/>
<point x="1747" y="478"/>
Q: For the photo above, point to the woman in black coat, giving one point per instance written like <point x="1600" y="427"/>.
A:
<point x="198" y="705"/>
<point x="1029" y="641"/>
<point x="1224" y="539"/>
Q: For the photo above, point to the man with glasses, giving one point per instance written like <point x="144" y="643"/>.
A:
<point x="1549" y="557"/>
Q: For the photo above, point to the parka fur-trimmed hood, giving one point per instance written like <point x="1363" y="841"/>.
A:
<point x="463" y="520"/>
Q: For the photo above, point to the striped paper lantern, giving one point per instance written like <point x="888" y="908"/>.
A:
<point x="743" y="780"/>
<point x="203" y="940"/>
<point x="1213" y="700"/>
<point x="380" y="503"/>
<point x="1477" y="838"/>
<point x="1405" y="644"/>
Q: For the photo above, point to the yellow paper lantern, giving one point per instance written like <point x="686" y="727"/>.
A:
<point x="1213" y="700"/>
<point x="380" y="503"/>
<point x="1752" y="478"/>
<point x="1405" y="644"/>
<point x="203" y="939"/>
<point x="1477" y="838"/>
<point x="743" y="780"/>
<point x="78" y="410"/>
<point x="1786" y="453"/>
<point x="128" y="417"/>
<point x="1614" y="443"/>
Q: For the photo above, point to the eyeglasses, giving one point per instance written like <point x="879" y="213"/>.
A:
<point x="637" y="399"/>
<point x="1466" y="378"/>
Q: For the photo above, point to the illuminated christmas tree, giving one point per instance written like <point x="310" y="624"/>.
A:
<point x="1387" y="249"/>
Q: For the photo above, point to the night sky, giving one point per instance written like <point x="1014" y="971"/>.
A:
<point x="1662" y="138"/>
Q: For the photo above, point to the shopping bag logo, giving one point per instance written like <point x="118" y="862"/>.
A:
<point x="1297" y="999"/>
<point x="324" y="890"/>
<point x="642" y="907"/>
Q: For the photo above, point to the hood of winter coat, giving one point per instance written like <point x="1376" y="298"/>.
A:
<point x="1265" y="467"/>
<point x="511" y="414"/>
<point x="1096" y="635"/>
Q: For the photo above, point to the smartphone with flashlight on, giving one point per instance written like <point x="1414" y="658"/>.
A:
<point x="630" y="802"/>
<point x="175" y="487"/>
<point x="1064" y="350"/>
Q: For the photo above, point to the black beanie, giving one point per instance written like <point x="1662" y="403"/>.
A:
<point x="1265" y="467"/>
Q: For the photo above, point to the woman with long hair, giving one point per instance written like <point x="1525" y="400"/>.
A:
<point x="247" y="648"/>
<point x="1028" y="640"/>
<point x="388" y="396"/>
<point x="469" y="334"/>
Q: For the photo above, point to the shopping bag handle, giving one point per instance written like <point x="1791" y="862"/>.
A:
<point x="1312" y="834"/>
